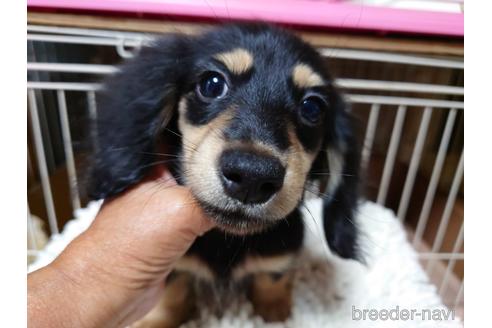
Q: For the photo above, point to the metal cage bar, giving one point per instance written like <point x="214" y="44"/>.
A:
<point x="389" y="57"/>
<point x="414" y="163"/>
<point x="87" y="40"/>
<point x="391" y="156"/>
<point x="459" y="296"/>
<point x="370" y="133"/>
<point x="376" y="85"/>
<point x="41" y="157"/>
<point x="405" y="101"/>
<point x="91" y="103"/>
<point x="427" y="256"/>
<point x="88" y="32"/>
<point x="436" y="174"/>
<point x="452" y="262"/>
<point x="67" y="86"/>
<point x="67" y="145"/>
<point x="448" y="208"/>
<point x="72" y="68"/>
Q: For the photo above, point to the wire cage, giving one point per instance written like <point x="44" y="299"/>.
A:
<point x="410" y="120"/>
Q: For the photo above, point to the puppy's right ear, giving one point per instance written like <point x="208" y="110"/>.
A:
<point x="132" y="107"/>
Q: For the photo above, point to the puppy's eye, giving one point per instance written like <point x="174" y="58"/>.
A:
<point x="212" y="85"/>
<point x="311" y="110"/>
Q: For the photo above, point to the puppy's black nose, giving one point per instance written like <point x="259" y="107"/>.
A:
<point x="249" y="177"/>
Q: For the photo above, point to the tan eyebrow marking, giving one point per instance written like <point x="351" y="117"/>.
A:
<point x="237" y="61"/>
<point x="303" y="76"/>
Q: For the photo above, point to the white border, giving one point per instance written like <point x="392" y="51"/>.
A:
<point x="478" y="145"/>
<point x="13" y="179"/>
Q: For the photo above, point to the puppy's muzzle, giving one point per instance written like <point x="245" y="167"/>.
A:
<point x="249" y="177"/>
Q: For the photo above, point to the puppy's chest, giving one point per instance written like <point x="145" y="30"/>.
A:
<point x="217" y="256"/>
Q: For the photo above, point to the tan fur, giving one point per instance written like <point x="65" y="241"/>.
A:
<point x="175" y="306"/>
<point x="297" y="162"/>
<point x="298" y="165"/>
<point x="204" y="144"/>
<point x="202" y="148"/>
<point x="272" y="299"/>
<point x="194" y="136"/>
<point x="303" y="77"/>
<point x="254" y="264"/>
<point x="237" y="61"/>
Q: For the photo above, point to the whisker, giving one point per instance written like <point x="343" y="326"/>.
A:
<point x="160" y="154"/>
<point x="142" y="152"/>
<point x="192" y="146"/>
<point x="319" y="193"/>
<point x="155" y="163"/>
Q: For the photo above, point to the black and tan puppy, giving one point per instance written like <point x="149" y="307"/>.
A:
<point x="248" y="118"/>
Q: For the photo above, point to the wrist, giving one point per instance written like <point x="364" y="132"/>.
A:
<point x="73" y="292"/>
<point x="89" y="274"/>
<point x="52" y="300"/>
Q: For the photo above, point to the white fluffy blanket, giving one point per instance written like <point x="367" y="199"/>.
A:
<point x="329" y="291"/>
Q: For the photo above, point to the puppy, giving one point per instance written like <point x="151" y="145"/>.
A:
<point x="251" y="122"/>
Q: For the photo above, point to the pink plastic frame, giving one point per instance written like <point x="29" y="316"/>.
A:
<point x="323" y="14"/>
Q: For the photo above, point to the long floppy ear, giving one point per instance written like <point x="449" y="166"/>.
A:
<point x="133" y="106"/>
<point x="340" y="184"/>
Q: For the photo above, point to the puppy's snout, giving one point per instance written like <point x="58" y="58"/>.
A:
<point x="250" y="178"/>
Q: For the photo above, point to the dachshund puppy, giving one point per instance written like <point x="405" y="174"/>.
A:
<point x="250" y="121"/>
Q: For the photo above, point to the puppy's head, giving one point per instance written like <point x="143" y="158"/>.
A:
<point x="251" y="112"/>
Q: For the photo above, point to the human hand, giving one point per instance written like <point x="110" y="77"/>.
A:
<point x="114" y="272"/>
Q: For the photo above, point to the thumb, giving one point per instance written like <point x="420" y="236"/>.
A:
<point x="130" y="248"/>
<point x="154" y="223"/>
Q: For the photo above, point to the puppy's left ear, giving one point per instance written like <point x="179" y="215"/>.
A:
<point x="340" y="182"/>
<point x="133" y="107"/>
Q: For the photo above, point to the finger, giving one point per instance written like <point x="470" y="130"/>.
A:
<point x="159" y="207"/>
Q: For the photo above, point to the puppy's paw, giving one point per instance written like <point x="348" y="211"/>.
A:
<point x="272" y="297"/>
<point x="174" y="308"/>
<point x="274" y="310"/>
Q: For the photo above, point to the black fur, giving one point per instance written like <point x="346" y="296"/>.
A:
<point x="223" y="251"/>
<point x="340" y="208"/>
<point x="129" y="115"/>
<point x="136" y="103"/>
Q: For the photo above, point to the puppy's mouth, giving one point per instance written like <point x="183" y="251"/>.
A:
<point x="242" y="193"/>
<point x="236" y="220"/>
<point x="245" y="187"/>
<point x="247" y="191"/>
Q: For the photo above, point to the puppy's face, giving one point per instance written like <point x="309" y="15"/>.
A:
<point x="247" y="116"/>
<point x="254" y="112"/>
